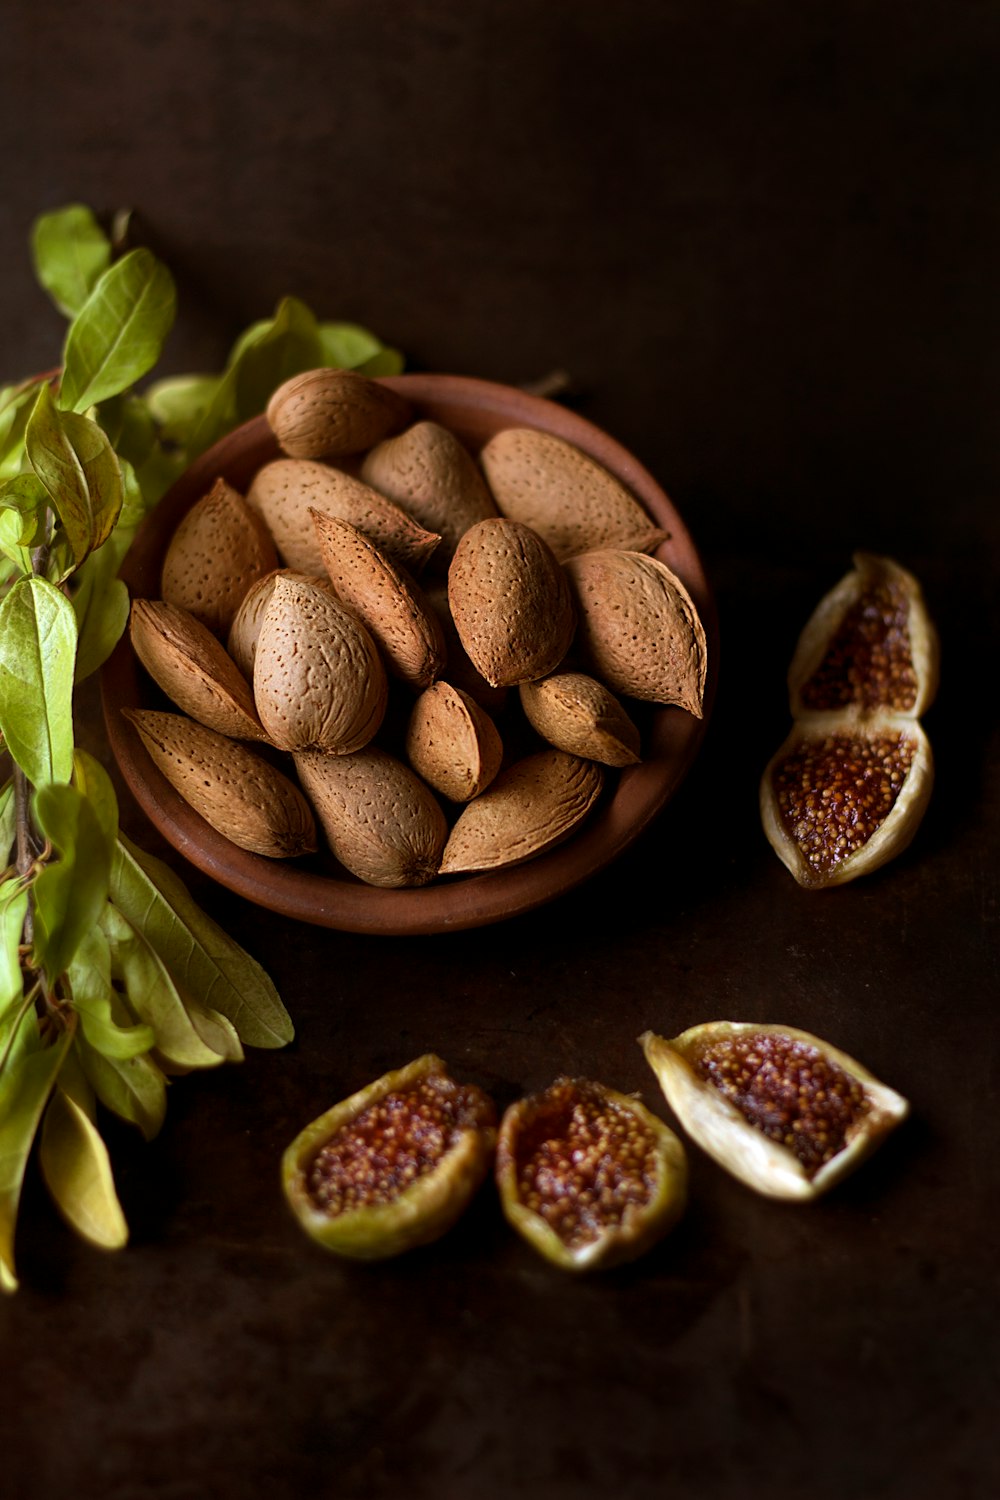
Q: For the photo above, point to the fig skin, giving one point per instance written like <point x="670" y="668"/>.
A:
<point x="896" y="830"/>
<point x="640" y="1226"/>
<point x="719" y="1128"/>
<point x="820" y="631"/>
<point x="422" y="1211"/>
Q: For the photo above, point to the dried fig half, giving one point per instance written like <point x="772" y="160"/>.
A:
<point x="779" y="1108"/>
<point x="588" y="1176"/>
<point x="869" y="646"/>
<point x="842" y="797"/>
<point x="393" y="1166"/>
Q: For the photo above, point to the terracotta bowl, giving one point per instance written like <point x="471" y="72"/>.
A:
<point x="317" y="890"/>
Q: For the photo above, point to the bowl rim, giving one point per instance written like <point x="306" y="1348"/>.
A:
<point x="448" y="904"/>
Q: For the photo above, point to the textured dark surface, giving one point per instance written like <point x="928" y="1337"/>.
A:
<point x="762" y="239"/>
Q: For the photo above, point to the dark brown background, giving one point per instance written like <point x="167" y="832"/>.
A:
<point x="762" y="238"/>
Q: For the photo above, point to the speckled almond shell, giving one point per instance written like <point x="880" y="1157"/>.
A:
<point x="719" y="1128"/>
<point x="577" y="713"/>
<point x="381" y="821"/>
<point x="638" y="629"/>
<point x="917" y="642"/>
<point x="285" y="491"/>
<point x="318" y="681"/>
<point x="391" y="604"/>
<point x="432" y="475"/>
<point x="461" y="673"/>
<point x="219" y="549"/>
<point x="452" y="743"/>
<point x="328" y="413"/>
<point x="186" y="660"/>
<point x="240" y="794"/>
<point x="241" y="642"/>
<point x="510" y="602"/>
<point x="891" y="836"/>
<point x="564" y="495"/>
<point x="531" y="806"/>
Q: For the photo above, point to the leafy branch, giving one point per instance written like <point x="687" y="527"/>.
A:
<point x="112" y="980"/>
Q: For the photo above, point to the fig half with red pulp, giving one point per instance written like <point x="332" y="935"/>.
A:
<point x="848" y="788"/>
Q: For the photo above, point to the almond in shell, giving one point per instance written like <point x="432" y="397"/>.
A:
<point x="577" y="713"/>
<point x="564" y="494"/>
<point x="238" y="792"/>
<point x="432" y="475"/>
<point x="388" y="600"/>
<point x="452" y="743"/>
<point x="381" y="821"/>
<point x="639" y="630"/>
<point x="219" y="549"/>
<point x="461" y="673"/>
<point x="244" y="632"/>
<point x="186" y="660"/>
<point x="328" y="413"/>
<point x="285" y="491"/>
<point x="318" y="680"/>
<point x="531" y="806"/>
<point x="510" y="602"/>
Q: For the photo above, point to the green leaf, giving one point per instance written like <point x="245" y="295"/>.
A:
<point x="13" y="908"/>
<point x="118" y="334"/>
<point x="152" y="995"/>
<point x="37" y="651"/>
<point x="210" y="967"/>
<point x="265" y="355"/>
<point x="97" y="1005"/>
<point x="70" y="893"/>
<point x="93" y="782"/>
<point x="385" y="362"/>
<point x="288" y="345"/>
<point x="16" y="402"/>
<point x="347" y="345"/>
<point x="133" y="1088"/>
<point x="178" y="402"/>
<point x="70" y="251"/>
<point x="101" y="605"/>
<point x="30" y="1083"/>
<point x="8" y="823"/>
<point x="79" y="470"/>
<point x="77" y="1171"/>
<point x="215" y="1030"/>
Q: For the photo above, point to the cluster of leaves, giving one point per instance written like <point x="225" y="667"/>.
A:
<point x="111" y="978"/>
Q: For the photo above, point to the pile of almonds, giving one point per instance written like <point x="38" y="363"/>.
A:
<point x="462" y="722"/>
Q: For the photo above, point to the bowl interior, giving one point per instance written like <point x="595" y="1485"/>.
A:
<point x="328" y="896"/>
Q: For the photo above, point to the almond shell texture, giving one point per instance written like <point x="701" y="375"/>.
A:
<point x="187" y="661"/>
<point x="430" y="473"/>
<point x="564" y="494"/>
<point x="510" y="602"/>
<point x="328" y="413"/>
<point x="238" y="792"/>
<point x="638" y="628"/>
<point x="244" y="632"/>
<point x="318" y="680"/>
<point x="452" y="743"/>
<point x="389" y="601"/>
<point x="219" y="549"/>
<point x="577" y="713"/>
<point x="381" y="821"/>
<point x="531" y="806"/>
<point x="284" y="492"/>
